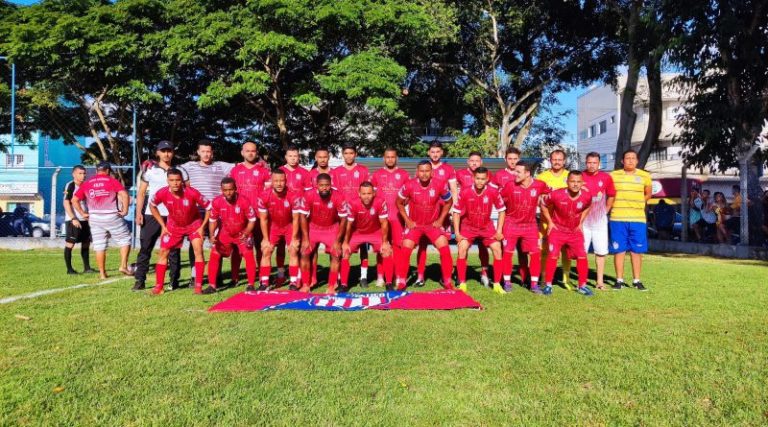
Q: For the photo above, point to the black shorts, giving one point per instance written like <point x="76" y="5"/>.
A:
<point x="77" y="235"/>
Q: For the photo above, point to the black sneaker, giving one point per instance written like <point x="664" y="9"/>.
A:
<point x="363" y="283"/>
<point x="343" y="289"/>
<point x="618" y="285"/>
<point x="72" y="272"/>
<point x="209" y="290"/>
<point x="419" y="283"/>
<point x="250" y="288"/>
<point x="389" y="287"/>
<point x="138" y="286"/>
<point x="639" y="286"/>
<point x="263" y="288"/>
<point x="293" y="287"/>
<point x="89" y="270"/>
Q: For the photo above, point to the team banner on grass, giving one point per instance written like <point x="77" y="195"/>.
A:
<point x="392" y="300"/>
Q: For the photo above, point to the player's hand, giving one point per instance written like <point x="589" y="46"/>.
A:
<point x="459" y="237"/>
<point x="295" y="245"/>
<point x="212" y="239"/>
<point x="499" y="236"/>
<point x="437" y="224"/>
<point x="550" y="228"/>
<point x="304" y="245"/>
<point x="265" y="245"/>
<point x="139" y="218"/>
<point x="409" y="224"/>
<point x="346" y="249"/>
<point x="123" y="213"/>
<point x="76" y="223"/>
<point x="200" y="232"/>
<point x="337" y="247"/>
<point x="164" y="231"/>
<point x="386" y="249"/>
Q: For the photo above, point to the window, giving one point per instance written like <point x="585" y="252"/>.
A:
<point x="658" y="155"/>
<point x="18" y="163"/>
<point x="603" y="127"/>
<point x="613" y="119"/>
<point x="592" y="131"/>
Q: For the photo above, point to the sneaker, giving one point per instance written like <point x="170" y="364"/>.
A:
<point x="639" y="286"/>
<point x="209" y="290"/>
<point x="198" y="290"/>
<point x="342" y="289"/>
<point x="449" y="286"/>
<point x="547" y="290"/>
<point x="293" y="287"/>
<point x="138" y="286"/>
<point x="250" y="288"/>
<point x="389" y="287"/>
<point x="498" y="289"/>
<point x="263" y="288"/>
<point x="485" y="281"/>
<point x="158" y="290"/>
<point x="463" y="287"/>
<point x="363" y="283"/>
<point x="567" y="286"/>
<point x="419" y="283"/>
<point x="536" y="290"/>
<point x="508" y="287"/>
<point x="585" y="291"/>
<point x="617" y="286"/>
<point x="72" y="272"/>
<point x="280" y="281"/>
<point x="402" y="286"/>
<point x="89" y="270"/>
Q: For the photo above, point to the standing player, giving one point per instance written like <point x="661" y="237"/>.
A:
<point x="322" y="158"/>
<point x="280" y="225"/>
<point x="347" y="179"/>
<point x="500" y="180"/>
<point x="565" y="211"/>
<point x="429" y="202"/>
<point x="77" y="228"/>
<point x="627" y="225"/>
<point x="465" y="178"/>
<point x="184" y="220"/>
<point x="234" y="218"/>
<point x="297" y="180"/>
<point x="600" y="185"/>
<point x="388" y="181"/>
<point x="472" y="220"/>
<point x="556" y="178"/>
<point x="105" y="216"/>
<point x="367" y="223"/>
<point x="445" y="175"/>
<point x="324" y="221"/>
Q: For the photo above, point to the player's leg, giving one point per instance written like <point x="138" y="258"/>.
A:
<point x="619" y="247"/>
<point x="554" y="248"/>
<point x="599" y="240"/>
<point x="566" y="266"/>
<point x="380" y="281"/>
<point x="363" y="266"/>
<point x="148" y="235"/>
<point x="71" y="238"/>
<point x="446" y="260"/>
<point x="507" y="260"/>
<point x="100" y="236"/>
<point x="313" y="275"/>
<point x="639" y="245"/>
<point x="421" y="263"/>
<point x="265" y="263"/>
<point x="333" y="273"/>
<point x="482" y="250"/>
<point x="280" y="263"/>
<point x="160" y="268"/>
<point x="294" y="261"/>
<point x="306" y="268"/>
<point x="461" y="263"/>
<point x="218" y="251"/>
<point x="404" y="262"/>
<point x="496" y="250"/>
<point x="196" y="242"/>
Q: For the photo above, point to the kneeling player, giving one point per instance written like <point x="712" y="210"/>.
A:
<point x="234" y="218"/>
<point x="184" y="220"/>
<point x="564" y="211"/>
<point x="425" y="218"/>
<point x="367" y="222"/>
<point x="472" y="221"/>
<point x="280" y="225"/>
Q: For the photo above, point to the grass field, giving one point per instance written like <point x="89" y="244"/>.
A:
<point x="692" y="351"/>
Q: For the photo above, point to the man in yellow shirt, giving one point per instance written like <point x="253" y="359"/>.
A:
<point x="556" y="178"/>
<point x="627" y="225"/>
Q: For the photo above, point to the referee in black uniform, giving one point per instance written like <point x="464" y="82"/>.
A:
<point x="77" y="229"/>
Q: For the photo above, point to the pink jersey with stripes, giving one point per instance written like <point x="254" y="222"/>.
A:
<point x="566" y="212"/>
<point x="348" y="181"/>
<point x="298" y="179"/>
<point x="279" y="207"/>
<point x="183" y="210"/>
<point x="388" y="184"/>
<point x="100" y="194"/>
<point x="522" y="202"/>
<point x="251" y="182"/>
<point x="600" y="185"/>
<point x="322" y="212"/>
<point x="234" y="217"/>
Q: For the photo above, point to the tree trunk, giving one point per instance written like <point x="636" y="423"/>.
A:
<point x="655" y="112"/>
<point x="627" y="116"/>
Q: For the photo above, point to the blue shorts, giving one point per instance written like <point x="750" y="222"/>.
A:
<point x="628" y="237"/>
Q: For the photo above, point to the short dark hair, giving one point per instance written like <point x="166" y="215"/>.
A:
<point x="228" y="180"/>
<point x="391" y="149"/>
<point x="513" y="150"/>
<point x="323" y="177"/>
<point x="705" y="191"/>
<point x="424" y="162"/>
<point x="204" y="142"/>
<point x="349" y="146"/>
<point x="475" y="153"/>
<point x="278" y="172"/>
<point x="292" y="148"/>
<point x="323" y="148"/>
<point x="437" y="144"/>
<point x="624" y="154"/>
<point x="574" y="172"/>
<point x="366" y="184"/>
<point x="557" y="150"/>
<point x="525" y="165"/>
<point x="78" y="167"/>
<point x="174" y="171"/>
<point x="593" y="154"/>
<point x="481" y="169"/>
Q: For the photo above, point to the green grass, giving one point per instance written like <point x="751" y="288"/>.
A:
<point x="692" y="351"/>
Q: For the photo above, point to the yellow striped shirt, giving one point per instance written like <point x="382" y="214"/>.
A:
<point x="629" y="205"/>
<point x="554" y="182"/>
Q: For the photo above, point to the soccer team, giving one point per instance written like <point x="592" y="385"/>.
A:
<point x="250" y="213"/>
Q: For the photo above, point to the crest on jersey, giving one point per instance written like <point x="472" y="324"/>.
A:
<point x="397" y="176"/>
<point x="185" y="202"/>
<point x="431" y="192"/>
<point x="255" y="173"/>
<point x="441" y="172"/>
<point x="373" y="211"/>
<point x="599" y="183"/>
<point x="579" y="205"/>
<point x="637" y="179"/>
<point x="356" y="174"/>
<point x="237" y="209"/>
<point x="285" y="203"/>
<point x="330" y="205"/>
<point x="485" y="199"/>
<point x="533" y="193"/>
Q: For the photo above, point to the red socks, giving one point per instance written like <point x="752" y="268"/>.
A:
<point x="387" y="265"/>
<point x="404" y="263"/>
<point x="345" y="267"/>
<point x="582" y="267"/>
<point x="293" y="273"/>
<point x="549" y="272"/>
<point x="160" y="275"/>
<point x="199" y="273"/>
<point x="497" y="269"/>
<point x="421" y="264"/>
<point x="264" y="271"/>
<point x="535" y="267"/>
<point x="250" y="268"/>
<point x="306" y="278"/>
<point x="446" y="264"/>
<point x="279" y="256"/>
<point x="507" y="263"/>
<point x="461" y="269"/>
<point x="213" y="268"/>
<point x="484" y="258"/>
<point x="332" y="279"/>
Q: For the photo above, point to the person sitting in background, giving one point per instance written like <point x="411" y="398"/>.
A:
<point x="708" y="217"/>
<point x="694" y="214"/>
<point x="722" y="210"/>
<point x="664" y="217"/>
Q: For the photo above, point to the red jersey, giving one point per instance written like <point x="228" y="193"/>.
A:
<point x="466" y="178"/>
<point x="251" y="182"/>
<point x="565" y="211"/>
<point x="298" y="179"/>
<point x="100" y="194"/>
<point x="322" y="212"/>
<point x="502" y="177"/>
<point x="424" y="203"/>
<point x="443" y="173"/>
<point x="367" y="220"/>
<point x="234" y="217"/>
<point x="183" y="210"/>
<point x="313" y="173"/>
<point x="600" y="185"/>
<point x="475" y="209"/>
<point x="388" y="184"/>
<point x="348" y="181"/>
<point x="279" y="207"/>
<point x="522" y="202"/>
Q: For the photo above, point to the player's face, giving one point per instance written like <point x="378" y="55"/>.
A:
<point x="322" y="158"/>
<point x="481" y="180"/>
<point x="78" y="175"/>
<point x="205" y="153"/>
<point x="424" y="173"/>
<point x="324" y="187"/>
<point x="229" y="190"/>
<point x="630" y="161"/>
<point x="521" y="174"/>
<point x="249" y="152"/>
<point x="557" y="160"/>
<point x="278" y="182"/>
<point x="512" y="159"/>
<point x="474" y="162"/>
<point x="574" y="183"/>
<point x="175" y="182"/>
<point x="390" y="159"/>
<point x="349" y="156"/>
<point x="366" y="195"/>
<point x="435" y="154"/>
<point x="165" y="155"/>
<point x="593" y="164"/>
<point x="292" y="158"/>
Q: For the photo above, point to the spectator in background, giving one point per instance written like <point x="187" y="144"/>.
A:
<point x="21" y="224"/>
<point x="694" y="213"/>
<point x="733" y="224"/>
<point x="722" y="210"/>
<point x="664" y="218"/>
<point x="709" y="217"/>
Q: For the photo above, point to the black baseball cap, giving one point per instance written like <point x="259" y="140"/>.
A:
<point x="102" y="166"/>
<point x="164" y="145"/>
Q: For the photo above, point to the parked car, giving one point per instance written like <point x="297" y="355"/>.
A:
<point x="36" y="227"/>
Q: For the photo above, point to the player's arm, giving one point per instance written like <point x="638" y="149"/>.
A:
<point x="401" y="200"/>
<point x="141" y="197"/>
<point x="249" y="228"/>
<point x="304" y="223"/>
<point x="159" y="218"/>
<point x="648" y="192"/>
<point x="444" y="211"/>
<point x="345" y="249"/>
<point x="125" y="202"/>
<point x="78" y="208"/>
<point x="454" y="187"/>
<point x="386" y="247"/>
<point x="500" y="225"/>
<point x="264" y="225"/>
<point x="213" y="224"/>
<point x="547" y="217"/>
<point x="206" y="217"/>
<point x="456" y="223"/>
<point x="68" y="195"/>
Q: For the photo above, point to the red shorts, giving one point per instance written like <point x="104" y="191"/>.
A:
<point x="281" y="234"/>
<point x="526" y="234"/>
<point x="327" y="236"/>
<point x="226" y="243"/>
<point x="431" y="232"/>
<point x="374" y="239"/>
<point x="175" y="238"/>
<point x="472" y="234"/>
<point x="573" y="240"/>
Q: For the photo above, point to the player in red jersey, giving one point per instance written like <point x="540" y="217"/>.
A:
<point x="280" y="225"/>
<point x="367" y="223"/>
<point x="322" y="158"/>
<point x="472" y="220"/>
<point x="388" y="181"/>
<point x="429" y="202"/>
<point x="600" y="185"/>
<point x="444" y="174"/>
<point x="521" y="230"/>
<point x="565" y="211"/>
<point x="465" y="178"/>
<point x="500" y="180"/>
<point x="347" y="179"/>
<point x="183" y="204"/>
<point x="324" y="221"/>
<point x="298" y="180"/>
<point x="234" y="218"/>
